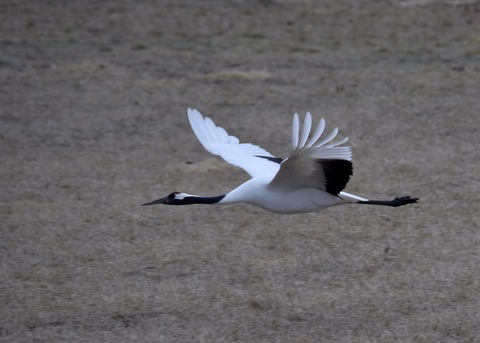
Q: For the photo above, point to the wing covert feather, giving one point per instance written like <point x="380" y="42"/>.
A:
<point x="312" y="164"/>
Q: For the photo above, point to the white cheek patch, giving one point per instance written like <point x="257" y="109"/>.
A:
<point x="181" y="196"/>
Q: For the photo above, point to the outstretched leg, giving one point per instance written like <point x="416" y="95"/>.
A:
<point x="400" y="201"/>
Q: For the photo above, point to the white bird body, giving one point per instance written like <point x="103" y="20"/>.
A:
<point x="272" y="198"/>
<point x="310" y="179"/>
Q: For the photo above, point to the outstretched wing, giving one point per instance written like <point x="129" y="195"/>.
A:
<point x="312" y="163"/>
<point x="254" y="160"/>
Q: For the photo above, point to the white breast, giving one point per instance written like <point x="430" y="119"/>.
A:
<point x="281" y="200"/>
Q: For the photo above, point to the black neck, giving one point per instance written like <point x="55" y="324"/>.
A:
<point x="199" y="200"/>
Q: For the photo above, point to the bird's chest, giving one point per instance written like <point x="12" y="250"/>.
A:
<point x="296" y="201"/>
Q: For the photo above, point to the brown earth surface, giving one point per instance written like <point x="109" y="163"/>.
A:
<point x="93" y="99"/>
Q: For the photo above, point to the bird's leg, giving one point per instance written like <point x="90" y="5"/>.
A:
<point x="400" y="201"/>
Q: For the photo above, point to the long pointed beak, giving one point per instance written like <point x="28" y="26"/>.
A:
<point x="155" y="202"/>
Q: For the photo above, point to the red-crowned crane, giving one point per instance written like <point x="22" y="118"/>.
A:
<point x="310" y="179"/>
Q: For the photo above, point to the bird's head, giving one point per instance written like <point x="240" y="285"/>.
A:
<point x="175" y="198"/>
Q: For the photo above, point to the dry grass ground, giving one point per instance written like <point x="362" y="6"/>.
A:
<point x="93" y="123"/>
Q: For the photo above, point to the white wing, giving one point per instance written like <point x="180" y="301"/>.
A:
<point x="254" y="160"/>
<point x="312" y="164"/>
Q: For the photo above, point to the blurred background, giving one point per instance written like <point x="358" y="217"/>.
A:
<point x="93" y="99"/>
